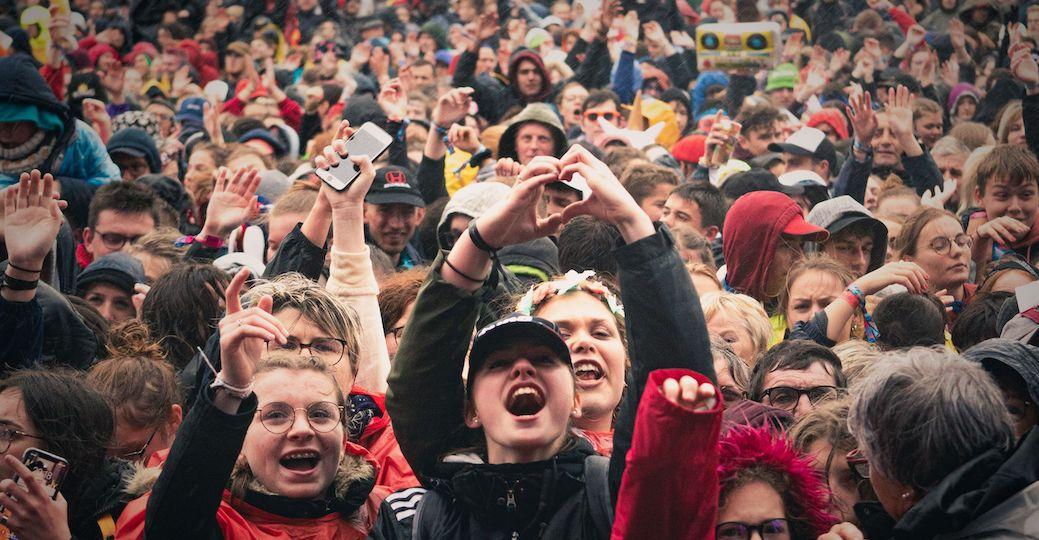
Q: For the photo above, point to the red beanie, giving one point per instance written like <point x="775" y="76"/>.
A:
<point x="831" y="117"/>
<point x="689" y="148"/>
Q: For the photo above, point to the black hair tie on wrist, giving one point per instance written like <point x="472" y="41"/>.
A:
<point x="463" y="274"/>
<point x="26" y="270"/>
<point x="479" y="242"/>
<point x="16" y="284"/>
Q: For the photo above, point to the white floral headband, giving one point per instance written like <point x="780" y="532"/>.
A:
<point x="572" y="281"/>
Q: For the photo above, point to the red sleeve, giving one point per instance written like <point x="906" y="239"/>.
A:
<point x="87" y="42"/>
<point x="903" y="19"/>
<point x="234" y="106"/>
<point x="670" y="485"/>
<point x="55" y="78"/>
<point x="291" y="113"/>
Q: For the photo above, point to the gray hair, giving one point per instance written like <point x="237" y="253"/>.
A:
<point x="949" y="146"/>
<point x="738" y="368"/>
<point x="921" y="413"/>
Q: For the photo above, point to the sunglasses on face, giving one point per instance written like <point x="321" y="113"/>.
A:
<point x="115" y="241"/>
<point x="608" y="116"/>
<point x="770" y="529"/>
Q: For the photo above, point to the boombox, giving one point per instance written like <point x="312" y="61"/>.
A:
<point x="724" y="46"/>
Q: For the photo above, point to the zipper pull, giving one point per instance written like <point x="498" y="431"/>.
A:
<point x="515" y="535"/>
<point x="510" y="500"/>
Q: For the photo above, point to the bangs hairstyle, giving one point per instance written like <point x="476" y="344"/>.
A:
<point x="914" y="225"/>
<point x="815" y="262"/>
<point x="303" y="363"/>
<point x="1008" y="162"/>
<point x="294" y="291"/>
<point x="743" y="308"/>
<point x="748" y="455"/>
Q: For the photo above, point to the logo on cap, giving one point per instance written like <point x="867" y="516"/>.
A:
<point x="396" y="179"/>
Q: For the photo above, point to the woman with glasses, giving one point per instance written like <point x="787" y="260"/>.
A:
<point x="35" y="408"/>
<point x="937" y="439"/>
<point x="768" y="490"/>
<point x="933" y="239"/>
<point x="144" y="391"/>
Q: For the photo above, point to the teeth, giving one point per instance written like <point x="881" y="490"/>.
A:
<point x="301" y="455"/>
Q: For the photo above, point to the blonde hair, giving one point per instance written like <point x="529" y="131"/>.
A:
<point x="969" y="181"/>
<point x="700" y="269"/>
<point x="293" y="290"/>
<point x="857" y="358"/>
<point x="1011" y="112"/>
<point x="743" y="308"/>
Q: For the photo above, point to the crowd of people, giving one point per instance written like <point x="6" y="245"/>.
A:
<point x="591" y="289"/>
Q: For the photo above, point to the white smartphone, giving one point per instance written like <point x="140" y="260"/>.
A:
<point x="370" y="140"/>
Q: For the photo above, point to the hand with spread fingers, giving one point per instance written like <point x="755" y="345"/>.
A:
<point x="233" y="201"/>
<point x="244" y="333"/>
<point x="32" y="513"/>
<point x="32" y="217"/>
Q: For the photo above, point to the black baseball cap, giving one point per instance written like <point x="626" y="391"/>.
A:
<point x="507" y="330"/>
<point x="393" y="185"/>
<point x="741" y="183"/>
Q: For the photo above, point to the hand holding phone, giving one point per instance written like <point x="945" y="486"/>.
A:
<point x="35" y="507"/>
<point x="369" y="140"/>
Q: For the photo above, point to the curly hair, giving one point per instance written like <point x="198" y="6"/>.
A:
<point x="749" y="455"/>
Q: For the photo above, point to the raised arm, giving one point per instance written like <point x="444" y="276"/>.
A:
<point x="352" y="278"/>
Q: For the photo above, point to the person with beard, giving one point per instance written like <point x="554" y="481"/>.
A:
<point x="884" y="143"/>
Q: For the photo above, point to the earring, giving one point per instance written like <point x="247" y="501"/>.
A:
<point x="907" y="494"/>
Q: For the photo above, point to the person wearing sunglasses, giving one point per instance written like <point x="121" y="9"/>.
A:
<point x="938" y="442"/>
<point x="934" y="240"/>
<point x="120" y="213"/>
<point x="602" y="104"/>
<point x="796" y="376"/>
<point x="768" y="490"/>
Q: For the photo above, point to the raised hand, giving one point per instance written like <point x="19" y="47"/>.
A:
<point x="608" y="201"/>
<point x="233" y="201"/>
<point x="843" y="531"/>
<point x="507" y="168"/>
<point x="1023" y="64"/>
<point x="516" y="220"/>
<point x="900" y="112"/>
<point x="32" y="513"/>
<point x="332" y="156"/>
<point x="916" y="35"/>
<point x="683" y="40"/>
<point x="488" y="26"/>
<point x="1004" y="230"/>
<point x="244" y="332"/>
<point x="464" y="138"/>
<point x="863" y="119"/>
<point x="654" y="34"/>
<point x="452" y="106"/>
<point x="956" y="34"/>
<point x="32" y="218"/>
<point x="907" y="274"/>
<point x="838" y="60"/>
<point x="687" y="394"/>
<point x="938" y="197"/>
<point x="393" y="100"/>
<point x="951" y="72"/>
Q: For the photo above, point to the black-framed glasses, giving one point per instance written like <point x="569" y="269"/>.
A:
<point x="786" y="397"/>
<point x="609" y="116"/>
<point x="942" y="244"/>
<point x="732" y="394"/>
<point x="398" y="333"/>
<point x="137" y="455"/>
<point x="278" y="417"/>
<point x="116" y="241"/>
<point x="858" y="464"/>
<point x="325" y="347"/>
<point x="770" y="529"/>
<point x="8" y="434"/>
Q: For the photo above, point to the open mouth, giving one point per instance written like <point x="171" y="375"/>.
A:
<point x="525" y="401"/>
<point x="587" y="370"/>
<point x="300" y="461"/>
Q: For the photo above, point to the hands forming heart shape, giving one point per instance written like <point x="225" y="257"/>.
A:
<point x="516" y="219"/>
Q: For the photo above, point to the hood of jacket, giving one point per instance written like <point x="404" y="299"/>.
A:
<point x="969" y="5"/>
<point x="535" y="112"/>
<point x="970" y="491"/>
<point x="470" y="201"/>
<point x="513" y="496"/>
<point x="136" y="142"/>
<point x="1022" y="358"/>
<point x="959" y="91"/>
<point x="103" y="492"/>
<point x="751" y="232"/>
<point x="546" y="81"/>
<point x="67" y="340"/>
<point x="22" y="84"/>
<point x="699" y="92"/>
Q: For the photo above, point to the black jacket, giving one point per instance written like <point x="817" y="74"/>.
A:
<point x="665" y="329"/>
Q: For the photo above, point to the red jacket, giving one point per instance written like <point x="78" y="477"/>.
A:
<point x="290" y="111"/>
<point x="670" y="484"/>
<point x="381" y="443"/>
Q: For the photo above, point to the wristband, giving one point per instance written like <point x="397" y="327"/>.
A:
<point x="209" y="241"/>
<point x="233" y="391"/>
<point x="479" y="242"/>
<point x="442" y="131"/>
<point x="872" y="333"/>
<point x="463" y="274"/>
<point x="16" y="284"/>
<point x="26" y="270"/>
<point x="858" y="146"/>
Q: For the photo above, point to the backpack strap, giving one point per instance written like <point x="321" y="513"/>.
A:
<point x="107" y="526"/>
<point x="597" y="494"/>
